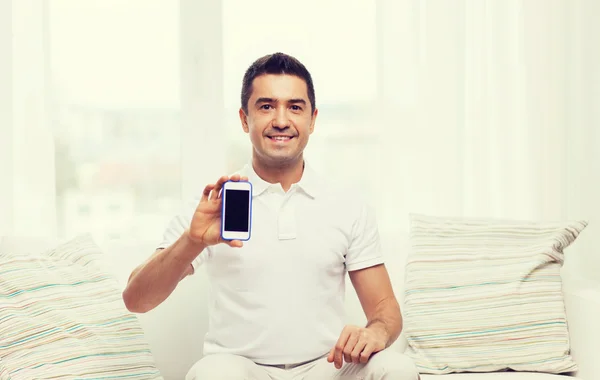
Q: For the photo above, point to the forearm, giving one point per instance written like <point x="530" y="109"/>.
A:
<point x="387" y="320"/>
<point x="152" y="282"/>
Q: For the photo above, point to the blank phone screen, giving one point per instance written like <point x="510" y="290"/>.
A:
<point x="237" y="209"/>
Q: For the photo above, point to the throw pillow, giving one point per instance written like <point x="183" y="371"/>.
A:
<point x="4" y="375"/>
<point x="62" y="317"/>
<point x="486" y="295"/>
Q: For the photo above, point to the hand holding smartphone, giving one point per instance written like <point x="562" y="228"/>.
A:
<point x="236" y="214"/>
<point x="218" y="218"/>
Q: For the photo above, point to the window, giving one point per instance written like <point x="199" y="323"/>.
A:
<point x="128" y="105"/>
<point x="115" y="115"/>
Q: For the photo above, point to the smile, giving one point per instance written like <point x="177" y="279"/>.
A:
<point x="280" y="138"/>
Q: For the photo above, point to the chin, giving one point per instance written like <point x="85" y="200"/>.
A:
<point x="280" y="159"/>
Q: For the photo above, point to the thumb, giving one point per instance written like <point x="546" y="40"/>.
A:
<point x="234" y="243"/>
<point x="330" y="356"/>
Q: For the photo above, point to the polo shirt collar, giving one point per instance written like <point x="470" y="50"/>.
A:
<point x="259" y="185"/>
<point x="309" y="183"/>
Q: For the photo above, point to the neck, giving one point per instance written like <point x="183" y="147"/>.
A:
<point x="284" y="173"/>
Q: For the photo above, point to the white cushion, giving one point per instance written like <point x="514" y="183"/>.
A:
<point x="62" y="315"/>
<point x="486" y="295"/>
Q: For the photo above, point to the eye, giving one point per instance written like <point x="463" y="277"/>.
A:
<point x="296" y="108"/>
<point x="265" y="107"/>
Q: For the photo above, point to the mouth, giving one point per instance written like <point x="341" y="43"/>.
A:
<point x="282" y="139"/>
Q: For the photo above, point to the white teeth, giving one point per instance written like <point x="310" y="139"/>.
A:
<point x="281" y="138"/>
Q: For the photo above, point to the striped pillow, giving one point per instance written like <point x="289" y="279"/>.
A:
<point x="486" y="295"/>
<point x="4" y="375"/>
<point x="62" y="317"/>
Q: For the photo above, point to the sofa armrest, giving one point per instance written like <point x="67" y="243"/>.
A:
<point x="582" y="303"/>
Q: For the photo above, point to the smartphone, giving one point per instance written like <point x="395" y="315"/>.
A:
<point x="236" y="213"/>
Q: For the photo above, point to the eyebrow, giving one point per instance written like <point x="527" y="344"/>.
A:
<point x="271" y="100"/>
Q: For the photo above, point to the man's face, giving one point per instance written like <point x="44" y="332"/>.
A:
<point x="279" y="119"/>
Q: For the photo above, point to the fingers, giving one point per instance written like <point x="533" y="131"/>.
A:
<point x="354" y="346"/>
<point x="330" y="357"/>
<point x="339" y="349"/>
<point x="366" y="353"/>
<point x="356" y="354"/>
<point x="206" y="192"/>
<point x="216" y="192"/>
<point x="213" y="191"/>
<point x="349" y="348"/>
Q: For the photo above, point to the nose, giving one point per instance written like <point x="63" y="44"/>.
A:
<point x="280" y="118"/>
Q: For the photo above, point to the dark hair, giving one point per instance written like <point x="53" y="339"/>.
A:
<point x="277" y="63"/>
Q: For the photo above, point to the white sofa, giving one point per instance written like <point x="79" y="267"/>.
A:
<point x="176" y="328"/>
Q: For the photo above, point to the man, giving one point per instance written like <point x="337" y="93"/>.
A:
<point x="277" y="300"/>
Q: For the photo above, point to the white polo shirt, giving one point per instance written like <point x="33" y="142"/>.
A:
<point x="280" y="298"/>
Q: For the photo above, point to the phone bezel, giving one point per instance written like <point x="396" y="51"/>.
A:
<point x="236" y="235"/>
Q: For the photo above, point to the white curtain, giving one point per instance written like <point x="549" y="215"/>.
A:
<point x="495" y="109"/>
<point x="468" y="107"/>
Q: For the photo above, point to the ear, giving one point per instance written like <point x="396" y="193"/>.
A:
<point x="313" y="120"/>
<point x="244" y="120"/>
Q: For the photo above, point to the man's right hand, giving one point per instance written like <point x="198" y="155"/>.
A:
<point x="205" y="228"/>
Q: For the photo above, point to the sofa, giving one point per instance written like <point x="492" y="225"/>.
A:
<point x="174" y="330"/>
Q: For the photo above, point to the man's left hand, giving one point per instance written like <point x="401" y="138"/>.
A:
<point x="356" y="345"/>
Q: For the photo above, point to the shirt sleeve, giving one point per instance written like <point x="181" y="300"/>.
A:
<point x="365" y="245"/>
<point x="177" y="226"/>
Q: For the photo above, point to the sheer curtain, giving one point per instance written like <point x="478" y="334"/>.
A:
<point x="493" y="109"/>
<point x="6" y="124"/>
<point x="471" y="107"/>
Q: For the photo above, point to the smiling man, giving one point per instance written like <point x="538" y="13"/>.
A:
<point x="277" y="300"/>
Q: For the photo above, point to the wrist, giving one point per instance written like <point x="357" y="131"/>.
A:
<point x="380" y="329"/>
<point x="193" y="244"/>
